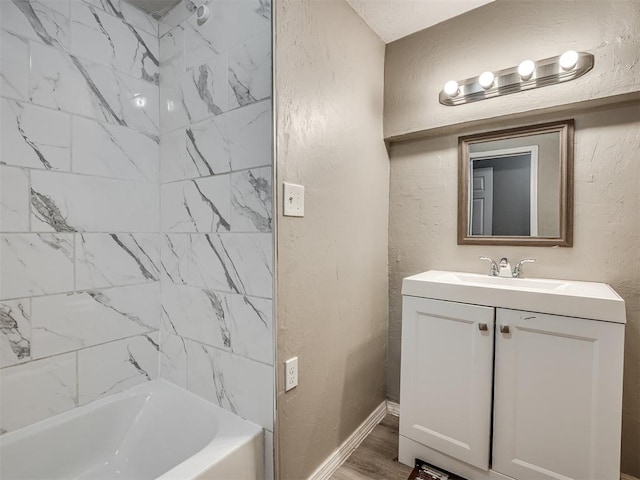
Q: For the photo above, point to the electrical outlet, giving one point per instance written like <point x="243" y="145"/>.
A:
<point x="290" y="374"/>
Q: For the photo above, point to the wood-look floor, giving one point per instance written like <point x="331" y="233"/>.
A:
<point x="376" y="457"/>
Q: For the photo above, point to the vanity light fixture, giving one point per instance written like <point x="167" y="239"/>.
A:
<point x="526" y="76"/>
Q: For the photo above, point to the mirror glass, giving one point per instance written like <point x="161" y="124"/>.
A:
<point x="516" y="186"/>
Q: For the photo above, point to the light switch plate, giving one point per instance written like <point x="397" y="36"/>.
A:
<point x="293" y="200"/>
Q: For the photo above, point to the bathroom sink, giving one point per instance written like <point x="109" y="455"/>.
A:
<point x="516" y="283"/>
<point x="571" y="298"/>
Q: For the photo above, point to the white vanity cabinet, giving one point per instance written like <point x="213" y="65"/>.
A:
<point x="558" y="397"/>
<point x="497" y="393"/>
<point x="447" y="371"/>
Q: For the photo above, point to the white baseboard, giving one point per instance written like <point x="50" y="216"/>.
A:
<point x="338" y="457"/>
<point x="393" y="408"/>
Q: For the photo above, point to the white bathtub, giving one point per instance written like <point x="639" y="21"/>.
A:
<point x="154" y="430"/>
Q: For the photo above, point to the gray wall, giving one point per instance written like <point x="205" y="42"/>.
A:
<point x="501" y="35"/>
<point x="423" y="201"/>
<point x="422" y="231"/>
<point x="332" y="264"/>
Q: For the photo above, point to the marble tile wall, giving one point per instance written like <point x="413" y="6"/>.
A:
<point x="216" y="206"/>
<point x="136" y="192"/>
<point x="80" y="262"/>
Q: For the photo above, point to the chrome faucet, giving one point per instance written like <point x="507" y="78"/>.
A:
<point x="503" y="269"/>
<point x="517" y="272"/>
<point x="494" y="266"/>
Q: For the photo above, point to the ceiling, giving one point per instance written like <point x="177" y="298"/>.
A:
<point x="394" y="19"/>
<point x="389" y="19"/>
<point x="157" y="8"/>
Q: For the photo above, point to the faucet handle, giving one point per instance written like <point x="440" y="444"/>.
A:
<point x="517" y="271"/>
<point x="494" y="266"/>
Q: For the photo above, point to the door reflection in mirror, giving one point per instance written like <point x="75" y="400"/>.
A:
<point x="504" y="188"/>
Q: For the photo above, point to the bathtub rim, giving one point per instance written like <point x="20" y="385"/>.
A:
<point x="197" y="463"/>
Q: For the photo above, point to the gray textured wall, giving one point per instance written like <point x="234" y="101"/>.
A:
<point x="501" y="35"/>
<point x="422" y="231"/>
<point x="332" y="264"/>
<point x="423" y="174"/>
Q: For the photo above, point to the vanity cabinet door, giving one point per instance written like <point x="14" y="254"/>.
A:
<point x="558" y="397"/>
<point x="445" y="390"/>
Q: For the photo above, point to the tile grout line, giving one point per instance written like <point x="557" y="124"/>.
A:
<point x="77" y="378"/>
<point x="220" y="349"/>
<point x="81" y="349"/>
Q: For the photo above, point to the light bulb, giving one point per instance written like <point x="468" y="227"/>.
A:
<point x="568" y="59"/>
<point x="526" y="69"/>
<point x="451" y="88"/>
<point x="486" y="80"/>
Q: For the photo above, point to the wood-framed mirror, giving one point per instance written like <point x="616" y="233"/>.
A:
<point x="515" y="186"/>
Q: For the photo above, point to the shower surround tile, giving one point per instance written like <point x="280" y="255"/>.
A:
<point x="114" y="43"/>
<point x="136" y="18"/>
<point x="69" y="322"/>
<point x="216" y="124"/>
<point x="37" y="390"/>
<point x="172" y="70"/>
<point x="173" y="165"/>
<point x="114" y="151"/>
<point x="43" y="20"/>
<point x="34" y="137"/>
<point x="79" y="203"/>
<point x="127" y="13"/>
<point x="68" y="83"/>
<point x="236" y="323"/>
<point x="232" y="22"/>
<point x="176" y="16"/>
<point x="269" y="455"/>
<point x="14" y="199"/>
<point x="237" y="140"/>
<point x="250" y="71"/>
<point x="14" y="65"/>
<point x="35" y="264"/>
<point x="251" y="200"/>
<point x="121" y="365"/>
<point x="74" y="203"/>
<point x="196" y="205"/>
<point x="242" y="386"/>
<point x="15" y="332"/>
<point x="235" y="263"/>
<point x="86" y="76"/>
<point x="204" y="89"/>
<point x="173" y="113"/>
<point x="172" y="48"/>
<point x="110" y="259"/>
<point x="173" y="358"/>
